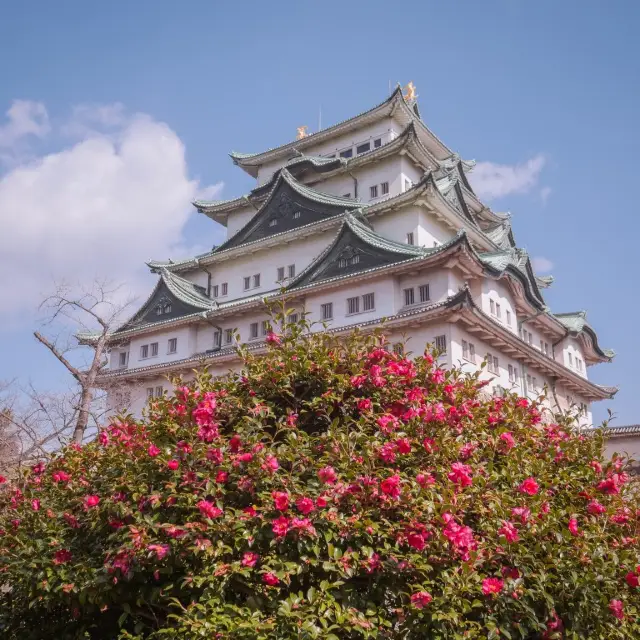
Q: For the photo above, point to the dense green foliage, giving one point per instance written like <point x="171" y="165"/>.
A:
<point x="331" y="490"/>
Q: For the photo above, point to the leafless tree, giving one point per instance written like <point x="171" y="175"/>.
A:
<point x="80" y="317"/>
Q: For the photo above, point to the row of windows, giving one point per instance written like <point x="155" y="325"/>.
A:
<point x="532" y="382"/>
<point x="493" y="364"/>
<point x="578" y="362"/>
<point x="155" y="392"/>
<point x="151" y="350"/>
<point x="274" y="221"/>
<point x="513" y="374"/>
<point x="290" y="271"/>
<point x="255" y="279"/>
<point x="410" y="295"/>
<point x="383" y="190"/>
<point x="220" y="290"/>
<point x="496" y="311"/>
<point x="469" y="351"/>
<point x="359" y="148"/>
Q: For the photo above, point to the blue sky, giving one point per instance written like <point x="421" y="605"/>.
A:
<point x="127" y="110"/>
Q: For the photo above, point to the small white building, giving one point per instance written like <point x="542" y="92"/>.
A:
<point x="370" y="220"/>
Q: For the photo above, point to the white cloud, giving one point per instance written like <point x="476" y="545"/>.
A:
<point x="99" y="207"/>
<point x="491" y="180"/>
<point x="24" y="118"/>
<point x="541" y="264"/>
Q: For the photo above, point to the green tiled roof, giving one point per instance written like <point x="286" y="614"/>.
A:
<point x="576" y="322"/>
<point x="186" y="291"/>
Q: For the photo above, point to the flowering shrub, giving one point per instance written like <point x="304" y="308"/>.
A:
<point x="331" y="490"/>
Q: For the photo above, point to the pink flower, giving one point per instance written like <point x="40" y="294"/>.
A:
<point x="271" y="579"/>
<point x="522" y="513"/>
<point x="522" y="402"/>
<point x="573" y="526"/>
<point x="61" y="556"/>
<point x="425" y="480"/>
<point x="2" y="479"/>
<point x="270" y="464"/>
<point x="173" y="464"/>
<point x="611" y="485"/>
<point x="417" y="541"/>
<point x="209" y="510"/>
<point x="280" y="500"/>
<point x="245" y="457"/>
<point x="280" y="526"/>
<point x="305" y="505"/>
<point x="391" y="486"/>
<point x="327" y="475"/>
<point x="421" y="599"/>
<point x="215" y="455"/>
<point x="273" y="338"/>
<point x="35" y="504"/>
<point x="492" y="585"/>
<point x="460" y="474"/>
<point x="161" y="550"/>
<point x="632" y="579"/>
<point x="529" y="486"/>
<point x="508" y="440"/>
<point x="235" y="443"/>
<point x="617" y="609"/>
<point x="221" y="477"/>
<point x="249" y="559"/>
<point x="429" y="445"/>
<point x="403" y="445"/>
<point x="387" y="423"/>
<point x="153" y="451"/>
<point x="364" y="404"/>
<point x="437" y="377"/>
<point x="595" y="508"/>
<point x="60" y="476"/>
<point x="91" y="501"/>
<point x="509" y="531"/>
<point x="103" y="438"/>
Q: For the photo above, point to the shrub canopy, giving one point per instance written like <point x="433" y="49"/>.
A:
<point x="331" y="490"/>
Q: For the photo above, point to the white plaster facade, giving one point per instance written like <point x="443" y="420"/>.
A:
<point x="482" y="297"/>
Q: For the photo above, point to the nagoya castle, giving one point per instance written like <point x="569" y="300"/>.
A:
<point x="370" y="221"/>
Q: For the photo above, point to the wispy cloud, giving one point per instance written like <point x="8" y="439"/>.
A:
<point x="541" y="264"/>
<point x="491" y="180"/>
<point x="545" y="192"/>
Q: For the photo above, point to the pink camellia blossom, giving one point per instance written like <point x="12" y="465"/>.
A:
<point x="103" y="438"/>
<point x="573" y="526"/>
<point x="403" y="445"/>
<point x="391" y="486"/>
<point x="280" y="500"/>
<point x="153" y="451"/>
<point x="305" y="505"/>
<point x="273" y="338"/>
<point x="249" y="559"/>
<point x="245" y="457"/>
<point x="221" y="477"/>
<point x="425" y="480"/>
<point x="209" y="510"/>
<point x="160" y="550"/>
<point x="387" y="423"/>
<point x="35" y="504"/>
<point x="2" y="479"/>
<point x="173" y="464"/>
<point x="596" y="466"/>
<point x="270" y="464"/>
<point x="507" y="440"/>
<point x="215" y="455"/>
<point x="492" y="585"/>
<point x="60" y="476"/>
<point x="595" y="508"/>
<point x="235" y="443"/>
<point x="460" y="474"/>
<point x="522" y="402"/>
<point x="529" y="486"/>
<point x="421" y="599"/>
<point x="509" y="531"/>
<point x="617" y="609"/>
<point x="633" y="580"/>
<point x="417" y="541"/>
<point x="327" y="475"/>
<point x="271" y="579"/>
<point x="61" y="556"/>
<point x="437" y="377"/>
<point x="429" y="445"/>
<point x="91" y="501"/>
<point x="522" y="513"/>
<point x="611" y="485"/>
<point x="364" y="404"/>
<point x="280" y="526"/>
<point x="321" y="502"/>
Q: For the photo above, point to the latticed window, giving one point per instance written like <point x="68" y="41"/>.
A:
<point x="384" y="187"/>
<point x="424" y="293"/>
<point x="410" y="237"/>
<point x="217" y="339"/>
<point x="154" y="349"/>
<point x="273" y="222"/>
<point x="266" y="327"/>
<point x="256" y="280"/>
<point x="159" y="391"/>
<point x="353" y="305"/>
<point x="225" y="288"/>
<point x="292" y="318"/>
<point x="291" y="271"/>
<point x="373" y="191"/>
<point x="228" y="336"/>
<point x="253" y="330"/>
<point x="368" y="302"/>
<point x="280" y="274"/>
<point x="441" y="344"/>
<point x="173" y="345"/>
<point x="144" y="351"/>
<point x="216" y="290"/>
<point x="409" y="296"/>
<point x="327" y="311"/>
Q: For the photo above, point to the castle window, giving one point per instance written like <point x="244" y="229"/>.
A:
<point x="149" y="393"/>
<point x="144" y="351"/>
<point x="347" y="153"/>
<point x="570" y="358"/>
<point x="353" y="305"/>
<point x="280" y="277"/>
<point x="291" y="270"/>
<point x="253" y="331"/>
<point x="409" y="296"/>
<point x="441" y="344"/>
<point x="266" y="327"/>
<point x="296" y="215"/>
<point x="247" y="282"/>
<point x="273" y="222"/>
<point x="410" y="237"/>
<point x="468" y="351"/>
<point x="424" y="293"/>
<point x="363" y="148"/>
<point x="225" y="288"/>
<point x="384" y="188"/>
<point x="216" y="289"/>
<point x="217" y="339"/>
<point x="373" y="191"/>
<point x="172" y="345"/>
<point x="228" y="336"/>
<point x="159" y="391"/>
<point x="368" y="302"/>
<point x="256" y="280"/>
<point x="327" y="311"/>
<point x="123" y="359"/>
<point x="154" y="349"/>
<point x="508" y="317"/>
<point x="163" y="307"/>
<point x="377" y="143"/>
<point x="292" y="318"/>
